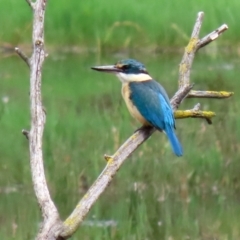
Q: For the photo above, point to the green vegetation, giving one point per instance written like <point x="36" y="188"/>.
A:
<point x="118" y="25"/>
<point x="155" y="195"/>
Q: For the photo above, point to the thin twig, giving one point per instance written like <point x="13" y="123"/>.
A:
<point x="23" y="56"/>
<point x="25" y="133"/>
<point x="197" y="26"/>
<point x="209" y="94"/>
<point x="192" y="113"/>
<point x="195" y="113"/>
<point x="212" y="36"/>
<point x="187" y="60"/>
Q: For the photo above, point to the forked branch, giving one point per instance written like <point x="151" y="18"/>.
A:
<point x="115" y="161"/>
<point x="52" y="228"/>
<point x="49" y="211"/>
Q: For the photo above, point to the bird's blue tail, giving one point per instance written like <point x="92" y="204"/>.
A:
<point x="175" y="144"/>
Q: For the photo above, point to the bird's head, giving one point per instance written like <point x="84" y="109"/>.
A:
<point x="128" y="70"/>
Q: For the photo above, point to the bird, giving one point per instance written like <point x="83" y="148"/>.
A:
<point x="146" y="99"/>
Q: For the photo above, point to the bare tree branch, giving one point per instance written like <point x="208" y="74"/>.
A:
<point x="23" y="56"/>
<point x="192" y="47"/>
<point x="115" y="161"/>
<point x="211" y="36"/>
<point x="188" y="56"/>
<point x="197" y="107"/>
<point x="48" y="209"/>
<point x="209" y="94"/>
<point x="25" y="133"/>
<point x="192" y="113"/>
<point x="195" y="113"/>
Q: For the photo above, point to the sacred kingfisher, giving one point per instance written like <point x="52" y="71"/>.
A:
<point x="146" y="99"/>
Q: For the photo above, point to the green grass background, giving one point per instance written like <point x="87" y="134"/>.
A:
<point x="117" y="25"/>
<point x="154" y="195"/>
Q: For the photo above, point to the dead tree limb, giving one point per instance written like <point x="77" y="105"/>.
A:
<point x="209" y="94"/>
<point x="49" y="211"/>
<point x="52" y="227"/>
<point x="115" y="161"/>
<point x="211" y="36"/>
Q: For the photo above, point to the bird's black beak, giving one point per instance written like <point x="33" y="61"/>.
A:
<point x="107" y="69"/>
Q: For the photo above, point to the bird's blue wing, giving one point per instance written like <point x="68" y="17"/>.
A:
<point x="151" y="100"/>
<point x="153" y="103"/>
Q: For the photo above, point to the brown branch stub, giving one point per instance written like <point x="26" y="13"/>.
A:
<point x="23" y="56"/>
<point x="209" y="94"/>
<point x="38" y="116"/>
<point x="31" y="4"/>
<point x="212" y="36"/>
<point x="198" y="25"/>
<point x="197" y="107"/>
<point x="25" y="133"/>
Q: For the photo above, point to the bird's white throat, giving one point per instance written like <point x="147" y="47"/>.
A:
<point x="131" y="77"/>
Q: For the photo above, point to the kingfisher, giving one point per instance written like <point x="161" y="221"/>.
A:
<point x="146" y="99"/>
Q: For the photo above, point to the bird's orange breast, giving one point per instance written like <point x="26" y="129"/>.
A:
<point x="126" y="92"/>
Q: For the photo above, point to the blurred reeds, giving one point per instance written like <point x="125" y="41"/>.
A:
<point x="117" y="25"/>
<point x="155" y="195"/>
